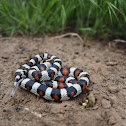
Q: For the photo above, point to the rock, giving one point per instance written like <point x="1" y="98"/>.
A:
<point x="4" y="110"/>
<point x="111" y="121"/>
<point x="113" y="89"/>
<point x="46" y="110"/>
<point x="9" y="118"/>
<point x="97" y="61"/>
<point x="106" y="104"/>
<point x="65" y="105"/>
<point x="22" y="50"/>
<point x="91" y="99"/>
<point x="85" y="104"/>
<point x="76" y="51"/>
<point x="80" y="103"/>
<point x="16" y="109"/>
<point x="104" y="114"/>
<point x="122" y="76"/>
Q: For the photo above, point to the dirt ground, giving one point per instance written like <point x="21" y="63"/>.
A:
<point x="106" y="93"/>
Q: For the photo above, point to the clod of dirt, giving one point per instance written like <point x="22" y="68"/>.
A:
<point x="6" y="56"/>
<point x="1" y="70"/>
<point x="91" y="99"/>
<point x="124" y="87"/>
<point x="111" y="121"/>
<point x="113" y="89"/>
<point x="113" y="100"/>
<point x="106" y="104"/>
<point x="123" y="115"/>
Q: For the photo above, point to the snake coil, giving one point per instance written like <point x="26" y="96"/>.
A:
<point x="44" y="77"/>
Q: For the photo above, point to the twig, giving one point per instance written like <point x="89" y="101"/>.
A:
<point x="68" y="34"/>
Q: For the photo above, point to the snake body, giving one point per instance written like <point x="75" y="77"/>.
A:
<point x="44" y="77"/>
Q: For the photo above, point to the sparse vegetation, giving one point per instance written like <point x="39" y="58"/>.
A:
<point x="106" y="18"/>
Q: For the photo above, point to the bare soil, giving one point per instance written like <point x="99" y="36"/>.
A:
<point x="106" y="93"/>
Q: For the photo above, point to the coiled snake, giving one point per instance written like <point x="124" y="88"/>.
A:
<point x="44" y="77"/>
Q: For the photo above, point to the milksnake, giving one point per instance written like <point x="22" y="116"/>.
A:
<point x="44" y="77"/>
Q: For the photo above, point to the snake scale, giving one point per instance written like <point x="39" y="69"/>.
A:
<point x="44" y="76"/>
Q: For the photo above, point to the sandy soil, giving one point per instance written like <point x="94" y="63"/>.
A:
<point x="106" y="93"/>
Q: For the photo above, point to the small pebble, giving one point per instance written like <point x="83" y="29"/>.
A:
<point x="86" y="103"/>
<point x="106" y="104"/>
<point x="4" y="110"/>
<point x="97" y="61"/>
<point x="80" y="103"/>
<point x="111" y="121"/>
<point x="46" y="110"/>
<point x="76" y="51"/>
<point x="64" y="60"/>
<point x="22" y="50"/>
<point x="104" y="113"/>
<point x="9" y="118"/>
<point x="16" y="109"/>
<point x="65" y="105"/>
<point x="122" y="76"/>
